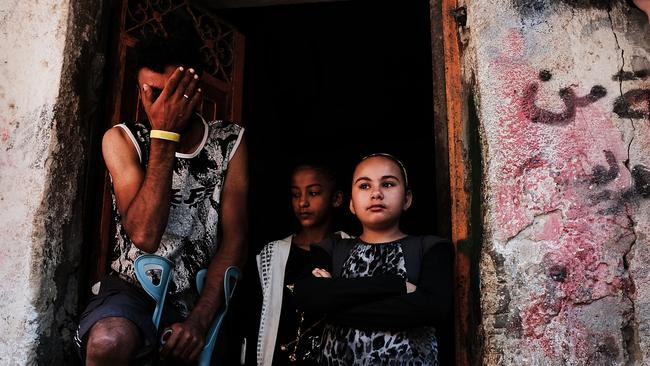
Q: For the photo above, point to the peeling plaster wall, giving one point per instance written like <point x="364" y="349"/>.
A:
<point x="562" y="91"/>
<point x="49" y="67"/>
<point x="29" y="81"/>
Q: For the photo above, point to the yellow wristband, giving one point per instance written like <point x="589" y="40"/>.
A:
<point x="165" y="135"/>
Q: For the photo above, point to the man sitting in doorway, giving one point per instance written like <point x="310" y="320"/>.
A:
<point x="175" y="186"/>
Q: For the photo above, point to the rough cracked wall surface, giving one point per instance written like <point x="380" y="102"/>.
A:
<point x="562" y="90"/>
<point x="30" y="74"/>
<point x="48" y="66"/>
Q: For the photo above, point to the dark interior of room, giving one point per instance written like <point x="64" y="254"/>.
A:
<point x="332" y="82"/>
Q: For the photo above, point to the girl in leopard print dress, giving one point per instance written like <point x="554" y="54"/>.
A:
<point x="383" y="292"/>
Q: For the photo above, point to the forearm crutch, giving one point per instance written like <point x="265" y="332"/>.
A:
<point x="230" y="279"/>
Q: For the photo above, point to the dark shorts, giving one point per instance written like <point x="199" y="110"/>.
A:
<point x="118" y="298"/>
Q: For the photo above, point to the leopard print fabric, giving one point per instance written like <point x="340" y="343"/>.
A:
<point x="348" y="346"/>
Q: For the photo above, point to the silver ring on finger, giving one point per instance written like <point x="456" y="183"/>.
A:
<point x="186" y="96"/>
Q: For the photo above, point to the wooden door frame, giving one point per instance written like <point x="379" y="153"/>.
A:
<point x="453" y="167"/>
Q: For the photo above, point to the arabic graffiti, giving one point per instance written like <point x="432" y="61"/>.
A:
<point x="633" y="104"/>
<point x="631" y="75"/>
<point x="574" y="194"/>
<point x="571" y="102"/>
<point x="545" y="75"/>
<point x="641" y="177"/>
<point x="535" y="8"/>
<point x="601" y="176"/>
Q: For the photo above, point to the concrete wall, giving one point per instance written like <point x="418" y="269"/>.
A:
<point x="562" y="91"/>
<point x="47" y="62"/>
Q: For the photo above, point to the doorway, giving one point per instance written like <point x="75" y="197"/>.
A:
<point x="327" y="81"/>
<point x="331" y="82"/>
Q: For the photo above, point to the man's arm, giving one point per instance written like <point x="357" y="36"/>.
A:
<point x="144" y="198"/>
<point x="186" y="341"/>
<point x="430" y="304"/>
<point x="233" y="246"/>
<point x="326" y="295"/>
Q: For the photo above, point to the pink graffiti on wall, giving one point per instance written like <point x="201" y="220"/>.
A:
<point x="557" y="156"/>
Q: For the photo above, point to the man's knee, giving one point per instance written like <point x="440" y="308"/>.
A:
<point x="112" y="339"/>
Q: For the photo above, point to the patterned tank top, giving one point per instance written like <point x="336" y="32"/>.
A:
<point x="191" y="237"/>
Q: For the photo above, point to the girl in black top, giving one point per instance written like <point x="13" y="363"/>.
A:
<point x="288" y="336"/>
<point x="385" y="291"/>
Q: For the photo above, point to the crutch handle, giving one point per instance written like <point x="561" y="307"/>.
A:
<point x="154" y="273"/>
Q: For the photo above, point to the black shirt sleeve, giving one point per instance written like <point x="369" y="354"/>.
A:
<point x="430" y="304"/>
<point x="327" y="295"/>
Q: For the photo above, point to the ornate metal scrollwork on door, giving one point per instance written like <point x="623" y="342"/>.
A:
<point x="215" y="36"/>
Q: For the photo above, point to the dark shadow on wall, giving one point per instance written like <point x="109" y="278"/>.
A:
<point x="71" y="173"/>
<point x="474" y="244"/>
<point x="533" y="7"/>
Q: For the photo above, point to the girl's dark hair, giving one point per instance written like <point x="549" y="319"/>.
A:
<point x="156" y="52"/>
<point x="395" y="160"/>
<point x="323" y="170"/>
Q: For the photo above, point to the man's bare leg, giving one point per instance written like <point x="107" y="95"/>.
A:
<point x="112" y="341"/>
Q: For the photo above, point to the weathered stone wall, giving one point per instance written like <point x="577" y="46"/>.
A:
<point x="562" y="91"/>
<point x="49" y="67"/>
